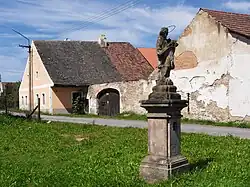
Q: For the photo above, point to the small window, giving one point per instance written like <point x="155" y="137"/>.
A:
<point x="37" y="96"/>
<point x="26" y="100"/>
<point x="22" y="100"/>
<point x="37" y="74"/>
<point x="43" y="97"/>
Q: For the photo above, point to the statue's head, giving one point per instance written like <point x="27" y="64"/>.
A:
<point x="164" y="31"/>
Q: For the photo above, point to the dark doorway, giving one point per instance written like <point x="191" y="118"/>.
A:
<point x="108" y="102"/>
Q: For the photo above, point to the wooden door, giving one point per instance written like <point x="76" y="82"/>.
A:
<point x="109" y="104"/>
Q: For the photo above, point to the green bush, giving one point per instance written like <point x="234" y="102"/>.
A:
<point x="78" y="106"/>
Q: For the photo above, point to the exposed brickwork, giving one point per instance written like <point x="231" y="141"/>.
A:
<point x="186" y="60"/>
<point x="235" y="22"/>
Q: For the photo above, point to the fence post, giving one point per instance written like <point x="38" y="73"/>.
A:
<point x="188" y="98"/>
<point x="39" y="110"/>
<point x="6" y="104"/>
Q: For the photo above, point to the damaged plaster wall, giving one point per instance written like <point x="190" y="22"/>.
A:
<point x="239" y="85"/>
<point x="211" y="65"/>
<point x="130" y="94"/>
<point x="207" y="79"/>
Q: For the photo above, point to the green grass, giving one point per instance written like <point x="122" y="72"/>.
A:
<point x="41" y="154"/>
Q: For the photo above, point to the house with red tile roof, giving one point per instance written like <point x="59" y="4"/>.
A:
<point x="150" y="55"/>
<point x="212" y="64"/>
<point x="109" y="77"/>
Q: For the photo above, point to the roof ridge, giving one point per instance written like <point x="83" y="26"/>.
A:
<point x="221" y="11"/>
<point x="65" y="41"/>
<point x="119" y="42"/>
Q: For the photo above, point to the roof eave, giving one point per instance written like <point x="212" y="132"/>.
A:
<point x="238" y="33"/>
<point x="69" y="85"/>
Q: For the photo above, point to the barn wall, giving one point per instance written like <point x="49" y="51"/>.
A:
<point x="239" y="84"/>
<point x="212" y="65"/>
<point x="202" y="68"/>
<point x="130" y="95"/>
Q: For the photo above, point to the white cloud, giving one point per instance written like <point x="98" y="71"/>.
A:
<point x="238" y="6"/>
<point x="59" y="19"/>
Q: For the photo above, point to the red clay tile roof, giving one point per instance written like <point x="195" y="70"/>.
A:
<point x="129" y="62"/>
<point x="150" y="55"/>
<point x="235" y="22"/>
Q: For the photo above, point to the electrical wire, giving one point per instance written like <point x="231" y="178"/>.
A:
<point x="104" y="12"/>
<point x="104" y="15"/>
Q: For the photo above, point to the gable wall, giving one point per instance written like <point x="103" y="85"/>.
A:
<point x="41" y="84"/>
<point x="212" y="65"/>
<point x="202" y="68"/>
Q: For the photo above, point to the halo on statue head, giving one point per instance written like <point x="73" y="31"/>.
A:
<point x="171" y="28"/>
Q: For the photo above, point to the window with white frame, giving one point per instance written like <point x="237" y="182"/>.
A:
<point x="43" y="98"/>
<point x="22" y="100"/>
<point x="26" y="100"/>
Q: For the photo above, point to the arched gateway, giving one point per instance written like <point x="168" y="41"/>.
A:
<point x="108" y="102"/>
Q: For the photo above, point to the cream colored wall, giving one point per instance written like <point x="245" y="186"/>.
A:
<point x="44" y="107"/>
<point x="218" y="82"/>
<point x="207" y="82"/>
<point x="61" y="98"/>
<point x="40" y="84"/>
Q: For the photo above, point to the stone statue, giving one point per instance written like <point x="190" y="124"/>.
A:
<point x="164" y="107"/>
<point x="165" y="48"/>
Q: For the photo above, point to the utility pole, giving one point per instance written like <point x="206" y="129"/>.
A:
<point x="30" y="68"/>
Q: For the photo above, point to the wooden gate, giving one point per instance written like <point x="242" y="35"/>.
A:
<point x="108" y="102"/>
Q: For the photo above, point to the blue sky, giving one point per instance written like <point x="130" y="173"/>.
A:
<point x="60" y="19"/>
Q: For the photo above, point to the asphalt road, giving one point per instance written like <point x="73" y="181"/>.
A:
<point x="188" y="128"/>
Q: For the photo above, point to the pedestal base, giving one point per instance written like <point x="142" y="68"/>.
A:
<point x="154" y="169"/>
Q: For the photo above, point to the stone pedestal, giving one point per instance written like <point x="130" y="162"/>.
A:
<point x="164" y="158"/>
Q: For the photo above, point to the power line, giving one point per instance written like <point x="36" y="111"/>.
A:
<point x="10" y="71"/>
<point x="105" y="15"/>
<point x="104" y="12"/>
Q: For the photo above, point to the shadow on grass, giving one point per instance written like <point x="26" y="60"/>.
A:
<point x="201" y="164"/>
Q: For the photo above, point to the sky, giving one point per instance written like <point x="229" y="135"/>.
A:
<point x="134" y="21"/>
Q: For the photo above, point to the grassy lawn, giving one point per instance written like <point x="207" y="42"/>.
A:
<point x="60" y="154"/>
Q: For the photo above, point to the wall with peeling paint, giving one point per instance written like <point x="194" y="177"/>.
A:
<point x="211" y="65"/>
<point x="239" y="84"/>
<point x="209" y="61"/>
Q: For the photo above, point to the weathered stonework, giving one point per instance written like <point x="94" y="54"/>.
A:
<point x="130" y="94"/>
<point x="164" y="158"/>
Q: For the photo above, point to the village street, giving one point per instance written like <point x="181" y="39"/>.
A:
<point x="188" y="128"/>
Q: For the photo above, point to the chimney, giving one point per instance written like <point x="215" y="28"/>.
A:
<point x="102" y="40"/>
